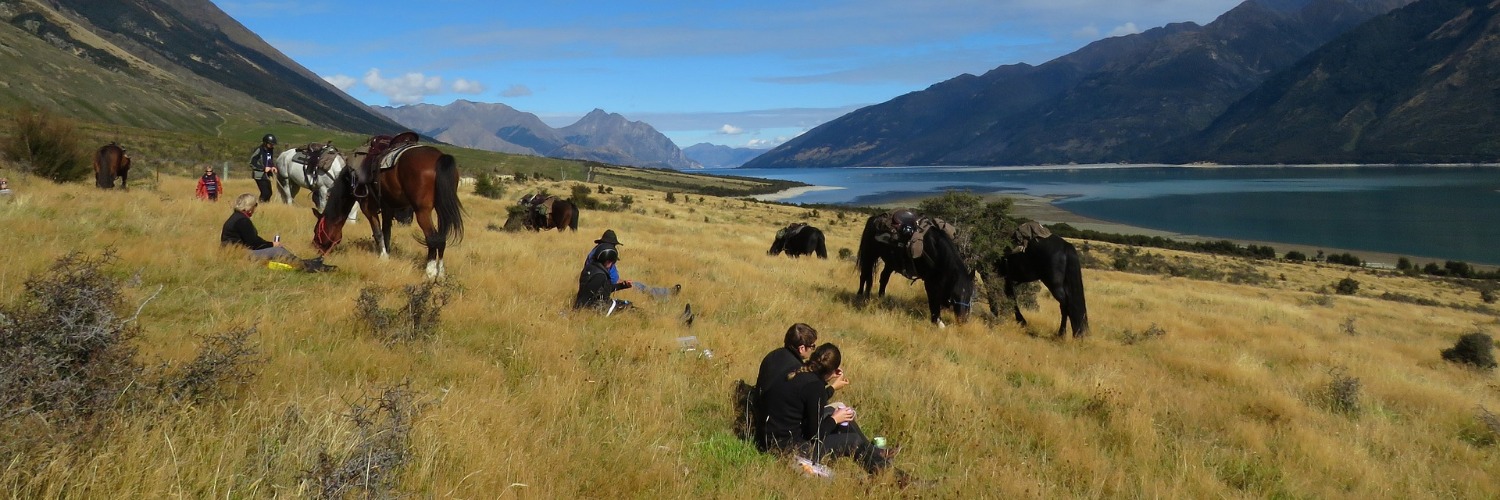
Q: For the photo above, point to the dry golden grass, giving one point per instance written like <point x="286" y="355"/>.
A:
<point x="530" y="399"/>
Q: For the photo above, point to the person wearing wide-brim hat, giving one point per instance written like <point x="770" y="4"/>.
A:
<point x="608" y="240"/>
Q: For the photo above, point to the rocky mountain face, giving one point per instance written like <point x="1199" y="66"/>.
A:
<point x="164" y="64"/>
<point x="1420" y="85"/>
<point x="599" y="136"/>
<point x="717" y="156"/>
<point x="1118" y="99"/>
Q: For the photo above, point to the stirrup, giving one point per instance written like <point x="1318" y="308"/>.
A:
<point x="361" y="190"/>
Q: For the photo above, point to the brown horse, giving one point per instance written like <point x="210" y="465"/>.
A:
<point x="110" y="162"/>
<point x="422" y="181"/>
<point x="564" y="215"/>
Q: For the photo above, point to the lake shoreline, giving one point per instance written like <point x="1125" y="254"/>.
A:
<point x="1044" y="210"/>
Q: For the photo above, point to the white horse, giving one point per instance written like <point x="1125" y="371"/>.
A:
<point x="292" y="176"/>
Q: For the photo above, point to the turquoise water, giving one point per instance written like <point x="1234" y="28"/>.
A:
<point x="1442" y="212"/>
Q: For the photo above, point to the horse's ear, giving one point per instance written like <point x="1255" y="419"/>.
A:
<point x="316" y="213"/>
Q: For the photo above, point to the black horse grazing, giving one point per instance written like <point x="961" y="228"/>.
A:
<point x="1055" y="262"/>
<point x="940" y="267"/>
<point x="798" y="240"/>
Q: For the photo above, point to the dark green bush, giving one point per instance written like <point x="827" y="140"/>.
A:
<point x="1346" y="286"/>
<point x="1296" y="256"/>
<point x="46" y="146"/>
<point x="487" y="187"/>
<point x="1475" y="350"/>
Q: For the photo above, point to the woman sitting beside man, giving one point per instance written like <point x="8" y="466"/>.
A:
<point x="800" y="420"/>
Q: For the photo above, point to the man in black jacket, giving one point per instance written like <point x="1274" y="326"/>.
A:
<point x="595" y="286"/>
<point x="263" y="165"/>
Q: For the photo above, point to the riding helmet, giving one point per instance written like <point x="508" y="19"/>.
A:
<point x="268" y="139"/>
<point x="607" y="255"/>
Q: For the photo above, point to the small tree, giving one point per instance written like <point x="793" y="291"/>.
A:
<point x="1296" y="256"/>
<point x="46" y="146"/>
<point x="1474" y="349"/>
<point x="1404" y="264"/>
<point x="486" y="186"/>
<point x="671" y="198"/>
<point x="1347" y="286"/>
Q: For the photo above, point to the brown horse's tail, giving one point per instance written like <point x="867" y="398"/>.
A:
<point x="104" y="169"/>
<point x="450" y="212"/>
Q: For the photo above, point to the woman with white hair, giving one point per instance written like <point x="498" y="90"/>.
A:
<point x="238" y="230"/>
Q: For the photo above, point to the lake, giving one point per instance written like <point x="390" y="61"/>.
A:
<point x="1443" y="212"/>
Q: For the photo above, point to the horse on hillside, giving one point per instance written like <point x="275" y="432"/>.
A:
<point x="292" y="176"/>
<point x="564" y="215"/>
<point x="1055" y="262"/>
<point x="798" y="240"/>
<point x="941" y="268"/>
<point x="421" y="181"/>
<point x="110" y="161"/>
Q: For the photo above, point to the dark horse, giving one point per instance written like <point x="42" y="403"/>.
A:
<point x="1055" y="262"/>
<point x="110" y="162"/>
<point x="422" y="181"/>
<point x="564" y="216"/>
<point x="806" y="240"/>
<point x="941" y="268"/>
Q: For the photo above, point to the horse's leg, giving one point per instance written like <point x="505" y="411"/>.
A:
<point x="433" y="242"/>
<point x="885" y="277"/>
<point x="1060" y="293"/>
<point x="1010" y="293"/>
<point x="934" y="302"/>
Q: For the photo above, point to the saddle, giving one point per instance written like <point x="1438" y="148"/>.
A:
<point x="1026" y="233"/>
<point x="791" y="230"/>
<point x="315" y="155"/>
<point x="541" y="206"/>
<point x="379" y="150"/>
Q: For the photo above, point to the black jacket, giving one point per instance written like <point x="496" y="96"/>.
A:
<point x="239" y="230"/>
<point x="261" y="157"/>
<point x="794" y="411"/>
<point x="594" y="287"/>
<point x="775" y="369"/>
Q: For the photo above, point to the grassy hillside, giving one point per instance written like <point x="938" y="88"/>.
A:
<point x="1186" y="389"/>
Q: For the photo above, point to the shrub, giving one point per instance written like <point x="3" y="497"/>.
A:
<point x="486" y="186"/>
<point x="1343" y="392"/>
<point x="1475" y="350"/>
<point x="383" y="426"/>
<point x="66" y="349"/>
<point x="671" y="198"/>
<point x="626" y="201"/>
<point x="1346" y="286"/>
<point x="1458" y="268"/>
<point x="225" y="363"/>
<point x="846" y="254"/>
<point x="1487" y="295"/>
<point x="1433" y="269"/>
<point x="1296" y="256"/>
<point x="583" y="197"/>
<point x="1347" y="259"/>
<point x="415" y="320"/>
<point x="1152" y="332"/>
<point x="1404" y="264"/>
<point x="46" y="146"/>
<point x="1348" y="327"/>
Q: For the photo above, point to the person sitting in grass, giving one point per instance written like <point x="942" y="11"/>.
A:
<point x="777" y="367"/>
<point x="595" y="286"/>
<point x="801" y="421"/>
<point x="238" y="230"/>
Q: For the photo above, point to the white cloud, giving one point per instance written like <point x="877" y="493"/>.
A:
<point x="1124" y="29"/>
<point x="463" y="86"/>
<point x="343" y="82"/>
<point x="516" y="91"/>
<point x="728" y="129"/>
<point x="410" y="88"/>
<point x="761" y="143"/>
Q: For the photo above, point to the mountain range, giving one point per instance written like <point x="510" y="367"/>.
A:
<point x="598" y="136"/>
<point x="166" y="64"/>
<point x="719" y="156"/>
<point x="1119" y="99"/>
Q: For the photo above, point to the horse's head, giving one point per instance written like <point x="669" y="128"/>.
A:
<point x="328" y="231"/>
<point x="961" y="295"/>
<point x="777" y="244"/>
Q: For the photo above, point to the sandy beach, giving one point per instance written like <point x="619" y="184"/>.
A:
<point x="1042" y="209"/>
<point x="791" y="193"/>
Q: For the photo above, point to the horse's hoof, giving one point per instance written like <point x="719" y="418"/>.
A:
<point x="940" y="324"/>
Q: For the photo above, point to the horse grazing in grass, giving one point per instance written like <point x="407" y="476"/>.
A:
<point x="940" y="266"/>
<point x="421" y="182"/>
<point x="292" y="176"/>
<point x="798" y="240"/>
<point x="1054" y="262"/>
<point x="564" y="215"/>
<point x="110" y="161"/>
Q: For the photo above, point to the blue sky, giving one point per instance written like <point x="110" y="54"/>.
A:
<point x="732" y="72"/>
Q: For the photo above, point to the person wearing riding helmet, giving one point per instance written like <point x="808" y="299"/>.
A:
<point x="263" y="166"/>
<point x="594" y="285"/>
<point x="609" y="241"/>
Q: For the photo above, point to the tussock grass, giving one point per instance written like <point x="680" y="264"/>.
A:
<point x="527" y="398"/>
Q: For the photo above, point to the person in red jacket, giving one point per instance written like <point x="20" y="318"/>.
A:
<point x="209" y="185"/>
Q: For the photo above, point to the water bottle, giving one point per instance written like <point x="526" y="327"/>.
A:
<point x="879" y="442"/>
<point x="276" y="239"/>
